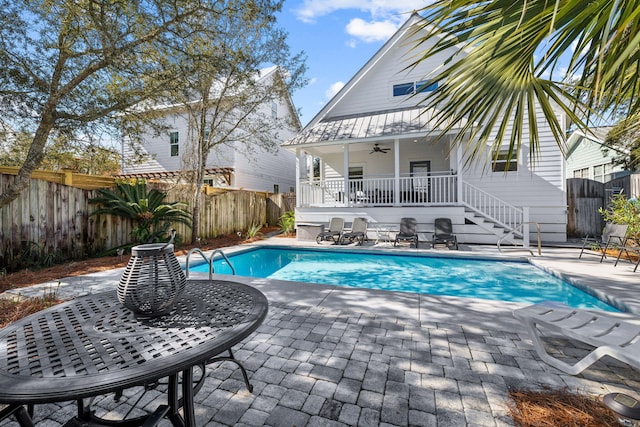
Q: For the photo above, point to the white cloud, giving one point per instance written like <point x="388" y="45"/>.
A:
<point x="333" y="89"/>
<point x="371" y="31"/>
<point x="312" y="9"/>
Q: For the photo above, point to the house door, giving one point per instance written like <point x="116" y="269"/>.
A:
<point x="420" y="172"/>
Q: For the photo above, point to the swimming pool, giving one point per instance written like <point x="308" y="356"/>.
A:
<point x="516" y="281"/>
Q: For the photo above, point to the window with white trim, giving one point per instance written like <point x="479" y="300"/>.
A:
<point x="410" y="88"/>
<point x="173" y="143"/>
<point x="581" y="173"/>
<point x="505" y="162"/>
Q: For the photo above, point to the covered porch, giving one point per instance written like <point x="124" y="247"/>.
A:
<point x="389" y="165"/>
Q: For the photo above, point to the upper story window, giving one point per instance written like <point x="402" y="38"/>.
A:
<point x="173" y="142"/>
<point x="274" y="109"/>
<point x="504" y="162"/>
<point x="422" y="86"/>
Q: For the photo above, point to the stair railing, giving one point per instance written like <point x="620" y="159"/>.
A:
<point x="495" y="209"/>
<point x="525" y="245"/>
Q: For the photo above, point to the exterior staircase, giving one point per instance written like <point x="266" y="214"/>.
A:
<point x="495" y="216"/>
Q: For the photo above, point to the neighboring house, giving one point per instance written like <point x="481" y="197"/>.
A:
<point x="233" y="164"/>
<point x="586" y="159"/>
<point x="370" y="153"/>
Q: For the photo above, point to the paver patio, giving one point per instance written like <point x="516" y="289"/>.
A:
<point x="331" y="356"/>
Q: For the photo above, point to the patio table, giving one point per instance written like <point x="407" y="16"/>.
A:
<point x="93" y="345"/>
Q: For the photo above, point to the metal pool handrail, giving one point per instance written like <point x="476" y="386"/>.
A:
<point x="208" y="260"/>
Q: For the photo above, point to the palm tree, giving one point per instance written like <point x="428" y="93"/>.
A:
<point x="579" y="56"/>
<point x="151" y="215"/>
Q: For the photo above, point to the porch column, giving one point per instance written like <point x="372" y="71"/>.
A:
<point x="345" y="157"/>
<point x="459" y="173"/>
<point x="396" y="171"/>
<point x="299" y="167"/>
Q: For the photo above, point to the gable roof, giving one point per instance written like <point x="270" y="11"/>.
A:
<point x="409" y="121"/>
<point x="596" y="135"/>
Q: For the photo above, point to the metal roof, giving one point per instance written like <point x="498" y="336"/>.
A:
<point x="370" y="125"/>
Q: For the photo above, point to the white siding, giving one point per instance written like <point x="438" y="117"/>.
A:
<point x="255" y="169"/>
<point x="540" y="187"/>
<point x="373" y="91"/>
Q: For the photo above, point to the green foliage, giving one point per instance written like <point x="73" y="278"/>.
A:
<point x="254" y="231"/>
<point x="287" y="222"/>
<point x="148" y="210"/>
<point x="624" y="211"/>
<point x="73" y="68"/>
<point x="30" y="255"/>
<point x="62" y="152"/>
<point x="521" y="57"/>
<point x="624" y="141"/>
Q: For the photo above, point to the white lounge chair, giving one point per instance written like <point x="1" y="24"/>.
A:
<point x="610" y="336"/>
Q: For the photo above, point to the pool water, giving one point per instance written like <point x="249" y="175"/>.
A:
<point x="461" y="277"/>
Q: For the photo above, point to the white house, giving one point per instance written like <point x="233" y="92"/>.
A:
<point x="233" y="164"/>
<point x="586" y="159"/>
<point x="373" y="152"/>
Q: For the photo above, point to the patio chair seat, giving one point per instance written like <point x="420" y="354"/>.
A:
<point x="407" y="232"/>
<point x="609" y="335"/>
<point x="613" y="235"/>
<point x="358" y="232"/>
<point x="443" y="233"/>
<point x="336" y="227"/>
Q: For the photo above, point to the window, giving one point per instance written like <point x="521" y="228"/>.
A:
<point x="505" y="163"/>
<point x="422" y="86"/>
<point x="173" y="142"/>
<point x="274" y="109"/>
<point x="276" y="188"/>
<point x="602" y="173"/>
<point x="426" y="86"/>
<point x="581" y="173"/>
<point x="403" y="89"/>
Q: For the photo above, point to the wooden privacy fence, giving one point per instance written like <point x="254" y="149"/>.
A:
<point x="584" y="198"/>
<point x="54" y="220"/>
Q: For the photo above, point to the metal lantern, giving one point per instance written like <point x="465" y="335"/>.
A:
<point x="152" y="281"/>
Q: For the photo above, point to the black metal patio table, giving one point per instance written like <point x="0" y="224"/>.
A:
<point x="93" y="345"/>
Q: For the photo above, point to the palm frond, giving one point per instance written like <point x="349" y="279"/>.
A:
<point x="503" y="68"/>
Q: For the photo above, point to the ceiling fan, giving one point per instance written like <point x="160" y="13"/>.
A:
<point x="378" y="149"/>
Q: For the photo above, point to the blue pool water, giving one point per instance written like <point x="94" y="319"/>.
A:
<point x="487" y="279"/>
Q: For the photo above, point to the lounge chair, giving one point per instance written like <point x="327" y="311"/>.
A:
<point x="609" y="335"/>
<point x="613" y="235"/>
<point x="407" y="232"/>
<point x="443" y="233"/>
<point x="358" y="232"/>
<point x="336" y="227"/>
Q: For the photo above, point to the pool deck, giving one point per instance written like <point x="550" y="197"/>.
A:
<point x="336" y="356"/>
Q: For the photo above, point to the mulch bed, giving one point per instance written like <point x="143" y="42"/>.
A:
<point x="553" y="408"/>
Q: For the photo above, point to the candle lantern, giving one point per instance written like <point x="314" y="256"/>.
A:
<point x="153" y="279"/>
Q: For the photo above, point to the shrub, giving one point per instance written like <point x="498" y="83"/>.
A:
<point x="624" y="211"/>
<point x="287" y="222"/>
<point x="254" y="231"/>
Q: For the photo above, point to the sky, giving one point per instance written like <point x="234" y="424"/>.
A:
<point x="338" y="38"/>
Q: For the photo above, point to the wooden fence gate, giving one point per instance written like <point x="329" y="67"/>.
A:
<point x="584" y="198"/>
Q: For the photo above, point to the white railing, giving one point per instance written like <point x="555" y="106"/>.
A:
<point x="499" y="211"/>
<point x="433" y="190"/>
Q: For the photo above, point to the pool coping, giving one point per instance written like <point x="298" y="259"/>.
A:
<point x="546" y="262"/>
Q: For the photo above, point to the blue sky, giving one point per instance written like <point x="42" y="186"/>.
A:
<point x="338" y="37"/>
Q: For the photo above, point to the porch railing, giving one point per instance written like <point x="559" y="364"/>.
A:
<point x="433" y="190"/>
